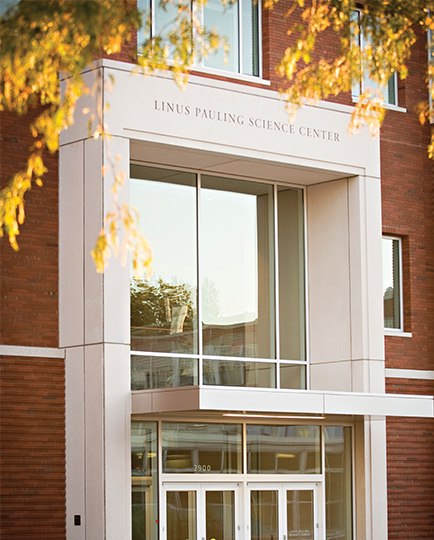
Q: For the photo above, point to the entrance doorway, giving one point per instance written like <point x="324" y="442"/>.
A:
<point x="251" y="511"/>
<point x="283" y="511"/>
<point x="201" y="512"/>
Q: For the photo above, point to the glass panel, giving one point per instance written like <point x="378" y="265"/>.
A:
<point x="239" y="373"/>
<point x="224" y="19"/>
<point x="292" y="376"/>
<point x="391" y="283"/>
<point x="291" y="274"/>
<point x="181" y="515"/>
<point x="237" y="268"/>
<point x="299" y="508"/>
<point x="153" y="372"/>
<point x="338" y="482"/>
<point x="144" y="480"/>
<point x="220" y="515"/>
<point x="163" y="310"/>
<point x="202" y="448"/>
<point x="264" y="515"/>
<point x="144" y="33"/>
<point x="283" y="449"/>
<point x="250" y="31"/>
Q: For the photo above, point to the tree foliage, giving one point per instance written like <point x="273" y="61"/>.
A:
<point x="390" y="27"/>
<point x="41" y="38"/>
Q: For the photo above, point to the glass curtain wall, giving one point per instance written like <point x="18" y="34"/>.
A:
<point x="227" y="283"/>
<point x="209" y="454"/>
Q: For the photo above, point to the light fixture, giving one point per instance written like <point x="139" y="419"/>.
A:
<point x="292" y="417"/>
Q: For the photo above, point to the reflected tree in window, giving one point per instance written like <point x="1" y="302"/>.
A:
<point x="159" y="308"/>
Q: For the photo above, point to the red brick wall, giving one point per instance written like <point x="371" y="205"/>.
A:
<point x="410" y="468"/>
<point x="28" y="278"/>
<point x="32" y="398"/>
<point x="32" y="389"/>
<point x="407" y="177"/>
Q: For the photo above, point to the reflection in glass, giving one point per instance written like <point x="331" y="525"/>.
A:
<point x="164" y="310"/>
<point x="300" y="520"/>
<point x="264" y="515"/>
<point x="391" y="283"/>
<point x="220" y="515"/>
<point x="237" y="268"/>
<point x="181" y="515"/>
<point x="292" y="376"/>
<point x="337" y="442"/>
<point x="144" y="480"/>
<point x="239" y="373"/>
<point x="224" y="18"/>
<point x="291" y="274"/>
<point x="283" y="449"/>
<point x="149" y="372"/>
<point x="201" y="448"/>
<point x="250" y="33"/>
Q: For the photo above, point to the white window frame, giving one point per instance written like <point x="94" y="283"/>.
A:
<point x="200" y="65"/>
<point x="400" y="296"/>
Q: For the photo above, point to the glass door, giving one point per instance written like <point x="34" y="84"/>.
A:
<point x="200" y="512"/>
<point x="283" y="512"/>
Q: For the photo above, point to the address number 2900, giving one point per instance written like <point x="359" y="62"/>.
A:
<point x="202" y="468"/>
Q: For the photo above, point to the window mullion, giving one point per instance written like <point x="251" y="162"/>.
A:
<point x="199" y="290"/>
<point x="276" y="287"/>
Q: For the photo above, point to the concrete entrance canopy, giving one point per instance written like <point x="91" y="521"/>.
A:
<point x="280" y="402"/>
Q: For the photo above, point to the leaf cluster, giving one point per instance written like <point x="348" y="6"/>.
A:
<point x="389" y="28"/>
<point x="40" y="39"/>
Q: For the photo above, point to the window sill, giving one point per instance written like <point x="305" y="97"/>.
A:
<point x="229" y="75"/>
<point x="397" y="333"/>
<point x="387" y="106"/>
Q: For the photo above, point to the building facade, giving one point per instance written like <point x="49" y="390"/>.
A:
<point x="274" y="378"/>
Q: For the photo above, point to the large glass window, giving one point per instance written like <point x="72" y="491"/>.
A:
<point x="392" y="283"/>
<point x="238" y="23"/>
<point x="227" y="284"/>
<point x="202" y="448"/>
<point x="283" y="449"/>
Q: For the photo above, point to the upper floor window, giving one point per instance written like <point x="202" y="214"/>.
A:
<point x="238" y="23"/>
<point x="228" y="282"/>
<point x="389" y="91"/>
<point x="392" y="283"/>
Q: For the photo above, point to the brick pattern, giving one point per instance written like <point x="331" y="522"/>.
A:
<point x="29" y="277"/>
<point x="410" y="468"/>
<point x="408" y="209"/>
<point x="32" y="398"/>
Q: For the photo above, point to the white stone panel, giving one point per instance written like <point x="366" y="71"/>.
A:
<point x="117" y="443"/>
<point x="94" y="450"/>
<point x="71" y="245"/>
<point x="331" y="376"/>
<point x="75" y="442"/>
<point x="226" y="117"/>
<point x="328" y="272"/>
<point x="116" y="275"/>
<point x="92" y="225"/>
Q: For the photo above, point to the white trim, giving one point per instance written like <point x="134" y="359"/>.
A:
<point x="422" y="374"/>
<point x="397" y="332"/>
<point x="35" y="352"/>
<point x="387" y="106"/>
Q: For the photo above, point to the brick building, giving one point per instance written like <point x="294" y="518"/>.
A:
<point x="261" y="357"/>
